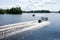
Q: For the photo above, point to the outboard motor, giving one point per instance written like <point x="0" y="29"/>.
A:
<point x="39" y="21"/>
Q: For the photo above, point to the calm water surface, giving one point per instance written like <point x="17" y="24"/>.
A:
<point x="50" y="32"/>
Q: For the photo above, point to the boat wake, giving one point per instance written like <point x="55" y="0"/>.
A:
<point x="35" y="26"/>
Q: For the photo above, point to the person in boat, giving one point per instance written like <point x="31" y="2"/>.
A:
<point x="39" y="21"/>
<point x="33" y="15"/>
<point x="44" y="18"/>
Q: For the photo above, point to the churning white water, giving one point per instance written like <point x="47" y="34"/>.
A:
<point x="35" y="26"/>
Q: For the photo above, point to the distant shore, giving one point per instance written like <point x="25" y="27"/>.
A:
<point x="18" y="10"/>
<point x="37" y="11"/>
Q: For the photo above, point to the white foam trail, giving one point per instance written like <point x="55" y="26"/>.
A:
<point x="37" y="26"/>
<point x="34" y="27"/>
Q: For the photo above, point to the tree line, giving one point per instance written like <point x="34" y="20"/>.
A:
<point x="13" y="10"/>
<point x="41" y="11"/>
<point x="17" y="10"/>
<point x="37" y="11"/>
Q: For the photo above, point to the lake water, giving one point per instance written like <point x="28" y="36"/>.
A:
<point x="50" y="32"/>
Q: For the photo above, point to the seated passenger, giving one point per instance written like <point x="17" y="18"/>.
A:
<point x="46" y="19"/>
<point x="42" y="18"/>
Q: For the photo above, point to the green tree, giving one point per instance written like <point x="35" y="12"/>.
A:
<point x="15" y="10"/>
<point x="2" y="11"/>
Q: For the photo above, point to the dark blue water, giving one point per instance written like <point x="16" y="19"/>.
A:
<point x="50" y="32"/>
